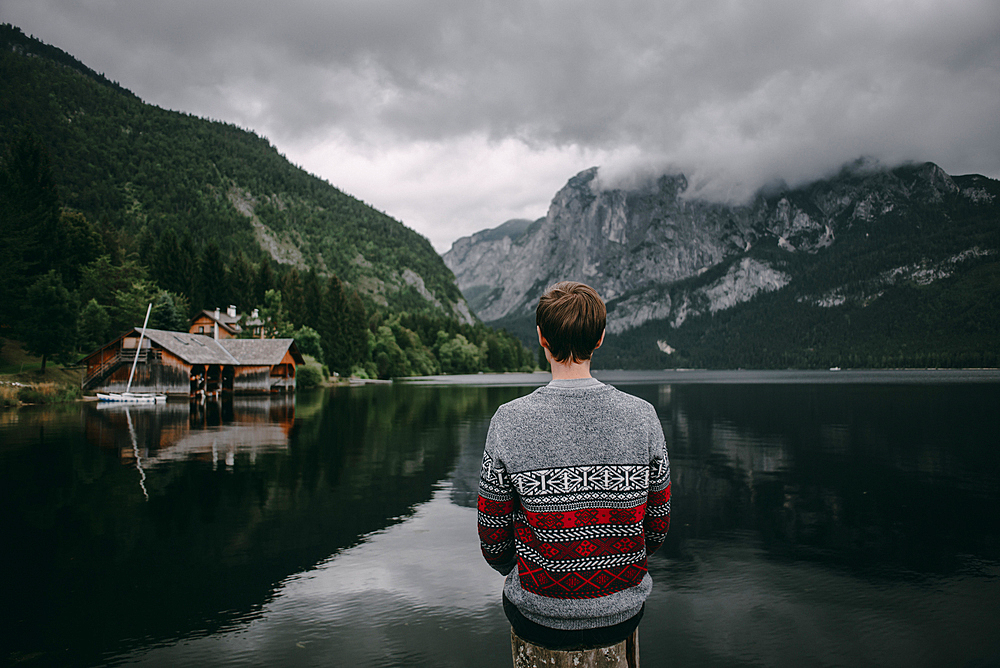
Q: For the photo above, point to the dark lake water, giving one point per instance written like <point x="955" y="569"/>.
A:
<point x="819" y="519"/>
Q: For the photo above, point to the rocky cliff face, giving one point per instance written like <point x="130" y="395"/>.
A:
<point x="644" y="249"/>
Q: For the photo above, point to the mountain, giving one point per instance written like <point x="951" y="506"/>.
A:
<point x="909" y="257"/>
<point x="150" y="174"/>
<point x="108" y="204"/>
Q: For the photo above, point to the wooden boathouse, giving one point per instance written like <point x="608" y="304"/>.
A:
<point x="184" y="364"/>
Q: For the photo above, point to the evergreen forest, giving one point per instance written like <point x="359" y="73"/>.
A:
<point x="108" y="204"/>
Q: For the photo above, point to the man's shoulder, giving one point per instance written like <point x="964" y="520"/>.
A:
<point x="605" y="395"/>
<point x="514" y="406"/>
<point x="626" y="398"/>
<point x="629" y="403"/>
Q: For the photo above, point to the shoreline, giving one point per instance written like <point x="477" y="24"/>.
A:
<point x="732" y="376"/>
<point x="13" y="392"/>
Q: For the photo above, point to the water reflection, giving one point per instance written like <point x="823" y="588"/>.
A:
<point x="878" y="477"/>
<point x="213" y="431"/>
<point x="813" y="524"/>
<point x="240" y="496"/>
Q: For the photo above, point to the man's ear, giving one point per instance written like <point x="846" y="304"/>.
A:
<point x="601" y="340"/>
<point x="541" y="339"/>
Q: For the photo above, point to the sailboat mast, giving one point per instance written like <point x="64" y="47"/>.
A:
<point x="138" y="348"/>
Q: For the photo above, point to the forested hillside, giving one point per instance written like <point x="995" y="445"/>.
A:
<point x="107" y="203"/>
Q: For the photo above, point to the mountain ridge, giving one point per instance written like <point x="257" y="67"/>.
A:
<point x="659" y="256"/>
<point x="109" y="204"/>
<point x="146" y="170"/>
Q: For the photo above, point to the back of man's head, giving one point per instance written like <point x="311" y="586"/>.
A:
<point x="571" y="318"/>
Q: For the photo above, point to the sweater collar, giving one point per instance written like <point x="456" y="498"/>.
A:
<point x="574" y="384"/>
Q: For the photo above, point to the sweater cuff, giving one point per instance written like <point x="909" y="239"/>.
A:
<point x="506" y="567"/>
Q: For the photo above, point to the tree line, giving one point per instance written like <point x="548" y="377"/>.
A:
<point x="69" y="285"/>
<point x="144" y="173"/>
<point x="953" y="322"/>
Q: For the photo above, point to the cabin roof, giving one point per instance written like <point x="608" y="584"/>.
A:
<point x="261" y="351"/>
<point x="226" y="321"/>
<point x="201" y="349"/>
<point x="192" y="348"/>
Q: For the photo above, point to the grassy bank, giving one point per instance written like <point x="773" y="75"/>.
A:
<point x="22" y="381"/>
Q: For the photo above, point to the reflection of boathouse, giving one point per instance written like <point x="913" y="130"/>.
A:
<point x="214" y="432"/>
<point x="183" y="364"/>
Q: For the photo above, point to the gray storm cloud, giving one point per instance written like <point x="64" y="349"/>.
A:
<point x="736" y="94"/>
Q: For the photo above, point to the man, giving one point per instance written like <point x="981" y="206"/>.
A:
<point x="574" y="492"/>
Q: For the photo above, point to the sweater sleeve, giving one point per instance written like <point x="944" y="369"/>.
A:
<point x="657" y="519"/>
<point x="496" y="509"/>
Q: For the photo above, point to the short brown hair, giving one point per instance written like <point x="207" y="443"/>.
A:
<point x="571" y="317"/>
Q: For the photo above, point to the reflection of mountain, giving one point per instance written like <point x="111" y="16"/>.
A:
<point x="868" y="474"/>
<point x="855" y="477"/>
<point x="465" y="476"/>
<point x="865" y="475"/>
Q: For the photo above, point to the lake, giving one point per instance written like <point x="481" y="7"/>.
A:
<point x="819" y="518"/>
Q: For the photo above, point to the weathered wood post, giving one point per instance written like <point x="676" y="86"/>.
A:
<point x="623" y="655"/>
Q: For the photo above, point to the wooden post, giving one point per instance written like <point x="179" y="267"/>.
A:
<point x="623" y="655"/>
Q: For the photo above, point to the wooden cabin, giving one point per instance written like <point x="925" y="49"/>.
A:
<point x="217" y="324"/>
<point x="185" y="364"/>
<point x="264" y="365"/>
<point x="254" y="325"/>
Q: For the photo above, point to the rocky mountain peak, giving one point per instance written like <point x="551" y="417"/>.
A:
<point x="633" y="243"/>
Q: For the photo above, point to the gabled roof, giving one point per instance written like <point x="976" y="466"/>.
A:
<point x="201" y="349"/>
<point x="226" y="321"/>
<point x="192" y="348"/>
<point x="262" y="351"/>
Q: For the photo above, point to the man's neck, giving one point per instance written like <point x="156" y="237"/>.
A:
<point x="570" y="370"/>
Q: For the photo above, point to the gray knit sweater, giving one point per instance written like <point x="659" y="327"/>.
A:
<point x="574" y="494"/>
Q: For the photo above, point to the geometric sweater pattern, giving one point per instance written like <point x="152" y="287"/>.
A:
<point x="575" y="490"/>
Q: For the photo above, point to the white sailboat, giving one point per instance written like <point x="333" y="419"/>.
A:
<point x="134" y="397"/>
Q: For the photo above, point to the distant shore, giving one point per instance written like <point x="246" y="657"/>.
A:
<point x="744" y="376"/>
<point x="63" y="385"/>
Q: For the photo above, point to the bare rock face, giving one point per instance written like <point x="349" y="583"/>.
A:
<point x="635" y="245"/>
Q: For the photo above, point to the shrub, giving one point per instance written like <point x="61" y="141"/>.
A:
<point x="40" y="393"/>
<point x="308" y="376"/>
<point x="8" y="396"/>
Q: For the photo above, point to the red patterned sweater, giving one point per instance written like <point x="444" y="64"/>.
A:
<point x="574" y="495"/>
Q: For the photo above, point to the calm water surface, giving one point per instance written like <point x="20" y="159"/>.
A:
<point x="818" y="519"/>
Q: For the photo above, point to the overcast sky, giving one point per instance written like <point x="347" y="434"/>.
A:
<point x="457" y="115"/>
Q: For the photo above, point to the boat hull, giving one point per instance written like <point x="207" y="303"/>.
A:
<point x="131" y="397"/>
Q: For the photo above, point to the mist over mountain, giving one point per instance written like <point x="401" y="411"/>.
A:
<point x="871" y="267"/>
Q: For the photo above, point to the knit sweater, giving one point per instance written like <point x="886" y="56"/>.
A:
<point x="574" y="494"/>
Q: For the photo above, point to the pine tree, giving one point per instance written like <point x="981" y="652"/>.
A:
<point x="312" y="293"/>
<point x="213" y="279"/>
<point x="167" y="264"/>
<point x="49" y="327"/>
<point x="263" y="281"/>
<point x="355" y="330"/>
<point x="93" y="326"/>
<point x="78" y="243"/>
<point x="333" y="315"/>
<point x="293" y="297"/>
<point x="242" y="282"/>
<point x="169" y="313"/>
<point x="29" y="215"/>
